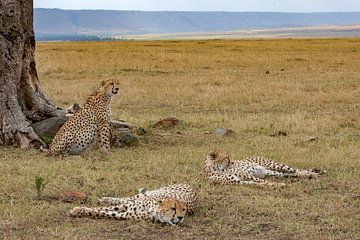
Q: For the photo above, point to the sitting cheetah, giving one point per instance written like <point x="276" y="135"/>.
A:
<point x="219" y="168"/>
<point x="168" y="204"/>
<point x="79" y="131"/>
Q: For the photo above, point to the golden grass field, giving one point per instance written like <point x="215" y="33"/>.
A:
<point x="312" y="91"/>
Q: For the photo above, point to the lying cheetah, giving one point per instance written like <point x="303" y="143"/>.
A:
<point x="80" y="130"/>
<point x="168" y="204"/>
<point x="219" y="168"/>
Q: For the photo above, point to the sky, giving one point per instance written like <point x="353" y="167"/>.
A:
<point x="206" y="5"/>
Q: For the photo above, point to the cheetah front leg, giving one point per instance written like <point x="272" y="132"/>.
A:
<point x="255" y="169"/>
<point x="111" y="200"/>
<point x="60" y="149"/>
<point x="280" y="169"/>
<point x="116" y="201"/>
<point x="260" y="182"/>
<point x="130" y="210"/>
<point x="228" y="178"/>
<point x="99" y="212"/>
<point x="104" y="136"/>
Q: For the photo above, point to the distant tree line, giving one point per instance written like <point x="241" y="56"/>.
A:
<point x="77" y="37"/>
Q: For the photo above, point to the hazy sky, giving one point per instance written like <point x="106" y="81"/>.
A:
<point x="206" y="5"/>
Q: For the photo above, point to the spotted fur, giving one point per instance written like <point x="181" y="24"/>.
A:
<point x="91" y="122"/>
<point x="262" y="167"/>
<point x="169" y="205"/>
<point x="219" y="168"/>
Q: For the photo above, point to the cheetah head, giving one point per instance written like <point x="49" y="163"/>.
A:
<point x="219" y="159"/>
<point x="110" y="87"/>
<point x="171" y="211"/>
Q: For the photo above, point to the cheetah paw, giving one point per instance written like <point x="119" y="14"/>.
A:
<point x="75" y="211"/>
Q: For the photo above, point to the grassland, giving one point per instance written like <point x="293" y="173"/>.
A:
<point x="311" y="90"/>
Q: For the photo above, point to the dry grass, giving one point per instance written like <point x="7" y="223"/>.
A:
<point x="312" y="89"/>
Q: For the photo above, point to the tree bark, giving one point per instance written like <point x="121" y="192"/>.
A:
<point x="22" y="100"/>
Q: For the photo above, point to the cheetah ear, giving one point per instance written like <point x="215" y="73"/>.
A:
<point x="103" y="82"/>
<point x="213" y="155"/>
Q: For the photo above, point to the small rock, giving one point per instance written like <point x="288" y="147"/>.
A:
<point x="267" y="72"/>
<point x="126" y="140"/>
<point x="168" y="122"/>
<point x="130" y="140"/>
<point x="220" y="132"/>
<point x="282" y="69"/>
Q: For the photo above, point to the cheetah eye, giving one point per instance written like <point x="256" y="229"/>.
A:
<point x="174" y="209"/>
<point x="184" y="209"/>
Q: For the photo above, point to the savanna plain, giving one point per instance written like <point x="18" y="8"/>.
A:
<point x="306" y="88"/>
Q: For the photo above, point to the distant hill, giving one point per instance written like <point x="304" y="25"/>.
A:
<point x="55" y="22"/>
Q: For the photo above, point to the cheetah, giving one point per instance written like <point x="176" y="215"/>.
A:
<point x="219" y="168"/>
<point x="167" y="205"/>
<point x="91" y="122"/>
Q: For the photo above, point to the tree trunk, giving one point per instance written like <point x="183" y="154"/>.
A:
<point x="22" y="100"/>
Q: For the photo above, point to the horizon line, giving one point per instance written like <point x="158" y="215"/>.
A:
<point x="199" y="11"/>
